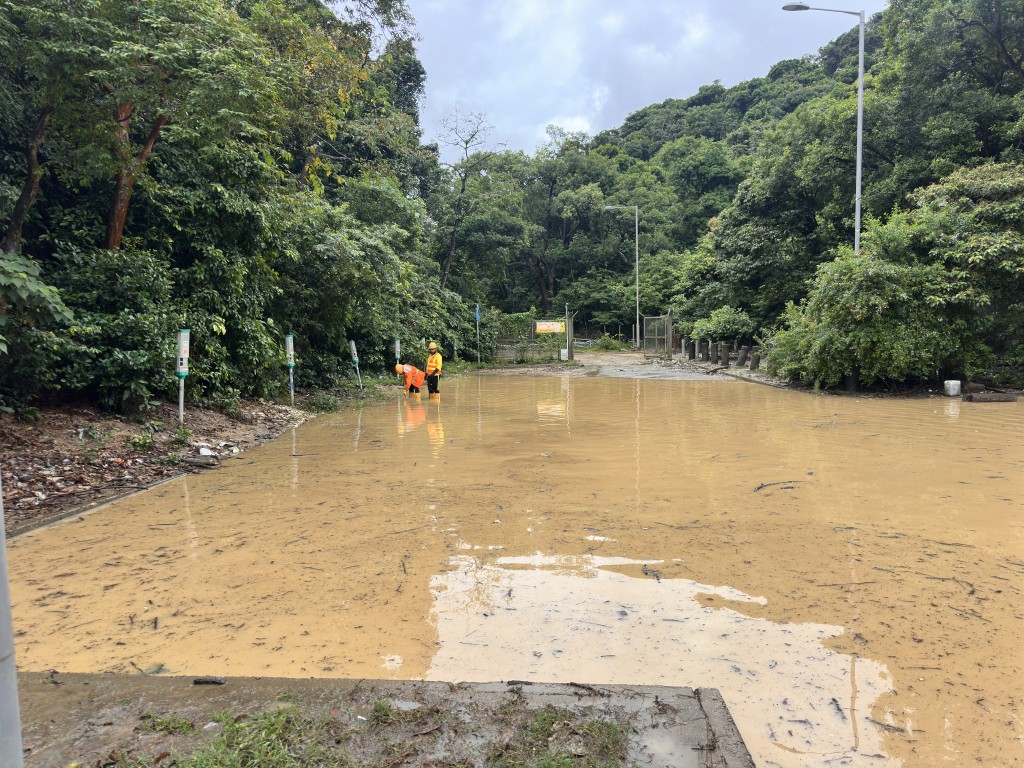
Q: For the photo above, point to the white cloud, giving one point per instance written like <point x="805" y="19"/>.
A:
<point x="572" y="123"/>
<point x="594" y="62"/>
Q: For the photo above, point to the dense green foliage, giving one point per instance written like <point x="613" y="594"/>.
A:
<point x="254" y="168"/>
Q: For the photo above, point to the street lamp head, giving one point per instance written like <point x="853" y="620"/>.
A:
<point x="796" y="7"/>
<point x="610" y="207"/>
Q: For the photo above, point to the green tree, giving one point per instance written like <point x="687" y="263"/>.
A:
<point x="874" y="320"/>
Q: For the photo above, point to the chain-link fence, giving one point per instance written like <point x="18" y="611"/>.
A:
<point x="658" y="336"/>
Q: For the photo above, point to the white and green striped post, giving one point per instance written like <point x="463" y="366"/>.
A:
<point x="355" y="361"/>
<point x="181" y="371"/>
<point x="289" y="351"/>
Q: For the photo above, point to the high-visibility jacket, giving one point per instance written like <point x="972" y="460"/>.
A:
<point x="434" y="364"/>
<point x="414" y="377"/>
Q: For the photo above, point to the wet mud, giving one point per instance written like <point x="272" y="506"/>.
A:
<point x="847" y="572"/>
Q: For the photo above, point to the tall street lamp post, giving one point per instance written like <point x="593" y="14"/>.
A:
<point x="636" y="240"/>
<point x="860" y="106"/>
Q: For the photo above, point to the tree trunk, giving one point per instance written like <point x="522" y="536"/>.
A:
<point x="449" y="256"/>
<point x="539" y="271"/>
<point x="12" y="240"/>
<point x="128" y="174"/>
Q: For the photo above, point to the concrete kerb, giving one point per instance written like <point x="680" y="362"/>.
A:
<point x="69" y="718"/>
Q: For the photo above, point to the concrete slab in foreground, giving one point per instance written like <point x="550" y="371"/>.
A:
<point x="75" y="718"/>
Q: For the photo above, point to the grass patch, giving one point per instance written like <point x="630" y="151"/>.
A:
<point x="554" y="737"/>
<point x="279" y="739"/>
<point x="169" y="725"/>
<point x="390" y="736"/>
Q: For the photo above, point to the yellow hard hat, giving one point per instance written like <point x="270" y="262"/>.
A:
<point x="431" y="346"/>
<point x="398" y="368"/>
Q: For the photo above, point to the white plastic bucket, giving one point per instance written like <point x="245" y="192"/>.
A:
<point x="952" y="387"/>
<point x="564" y="354"/>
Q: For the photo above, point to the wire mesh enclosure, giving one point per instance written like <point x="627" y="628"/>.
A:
<point x="657" y="340"/>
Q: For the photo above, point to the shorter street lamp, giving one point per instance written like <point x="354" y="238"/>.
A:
<point x="860" y="106"/>
<point x="636" y="236"/>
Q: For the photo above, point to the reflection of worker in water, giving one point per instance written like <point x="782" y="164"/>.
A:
<point x="414" y="377"/>
<point x="435" y="430"/>
<point x="433" y="369"/>
<point x="414" y="415"/>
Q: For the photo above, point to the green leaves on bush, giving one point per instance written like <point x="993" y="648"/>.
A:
<point x="724" y="324"/>
<point x="874" y="319"/>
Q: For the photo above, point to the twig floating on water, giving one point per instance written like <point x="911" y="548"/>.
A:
<point x="892" y="728"/>
<point x="780" y="482"/>
<point x="848" y="584"/>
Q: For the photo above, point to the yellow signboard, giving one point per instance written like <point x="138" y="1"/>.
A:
<point x="549" y="326"/>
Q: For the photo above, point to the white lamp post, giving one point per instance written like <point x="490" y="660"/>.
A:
<point x="860" y="106"/>
<point x="636" y="240"/>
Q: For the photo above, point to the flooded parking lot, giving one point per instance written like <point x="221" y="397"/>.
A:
<point x="847" y="571"/>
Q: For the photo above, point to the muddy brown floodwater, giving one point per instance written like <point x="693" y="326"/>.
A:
<point x="848" y="572"/>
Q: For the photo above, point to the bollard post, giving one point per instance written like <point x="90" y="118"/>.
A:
<point x="355" y="361"/>
<point x="755" y="358"/>
<point x="741" y="356"/>
<point x="289" y="351"/>
<point x="181" y="371"/>
<point x="691" y="349"/>
<point x="723" y="353"/>
<point x="713" y="352"/>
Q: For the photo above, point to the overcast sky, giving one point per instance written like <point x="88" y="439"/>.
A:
<point x="586" y="64"/>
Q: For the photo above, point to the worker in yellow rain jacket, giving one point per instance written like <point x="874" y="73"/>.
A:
<point x="433" y="369"/>
<point x="414" y="377"/>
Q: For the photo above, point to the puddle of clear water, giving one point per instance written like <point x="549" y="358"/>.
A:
<point x="848" y="572"/>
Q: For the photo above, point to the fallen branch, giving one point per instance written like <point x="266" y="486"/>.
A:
<point x="781" y="482"/>
<point x="589" y="689"/>
<point x="848" y="584"/>
<point x="892" y="728"/>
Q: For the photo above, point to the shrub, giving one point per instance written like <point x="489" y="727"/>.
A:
<point x="875" y="319"/>
<point x="608" y="344"/>
<point x="724" y="324"/>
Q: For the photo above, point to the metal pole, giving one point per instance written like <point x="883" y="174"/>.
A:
<point x="636" y="242"/>
<point x="636" y="210"/>
<point x="181" y="401"/>
<point x="568" y="334"/>
<point x="10" y="715"/>
<point x="291" y="385"/>
<point x="478" y="334"/>
<point x="860" y="108"/>
<point x="860" y="134"/>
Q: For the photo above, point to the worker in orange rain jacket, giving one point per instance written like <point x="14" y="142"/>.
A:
<point x="414" y="377"/>
<point x="433" y="369"/>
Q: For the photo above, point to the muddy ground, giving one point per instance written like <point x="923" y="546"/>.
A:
<point x="58" y="462"/>
<point x="108" y="720"/>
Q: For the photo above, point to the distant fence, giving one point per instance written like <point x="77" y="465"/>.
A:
<point x="657" y="341"/>
<point x="543" y="344"/>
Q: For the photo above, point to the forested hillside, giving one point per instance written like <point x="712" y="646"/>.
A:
<point x="255" y="168"/>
